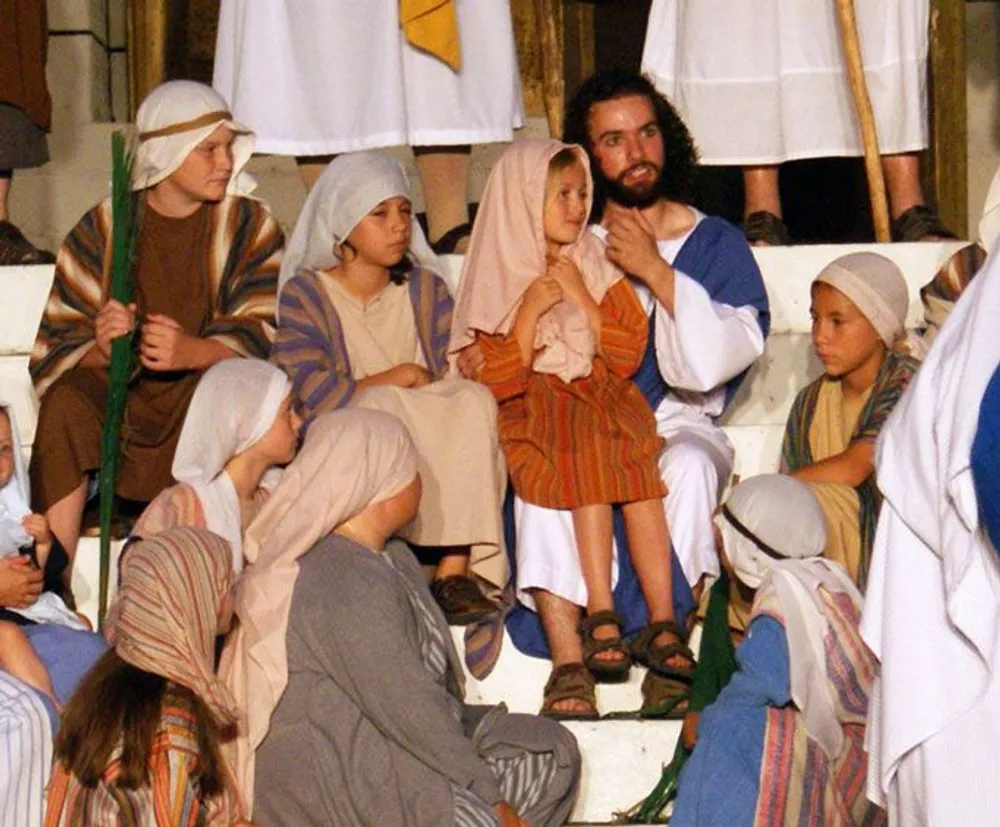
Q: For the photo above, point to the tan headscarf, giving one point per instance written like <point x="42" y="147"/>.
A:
<point x="877" y="288"/>
<point x="173" y="119"/>
<point x="774" y="533"/>
<point x="507" y="253"/>
<point x="351" y="459"/>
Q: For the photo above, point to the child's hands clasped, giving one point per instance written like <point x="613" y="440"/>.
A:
<point x="542" y="294"/>
<point x="570" y="280"/>
<point x="38" y="527"/>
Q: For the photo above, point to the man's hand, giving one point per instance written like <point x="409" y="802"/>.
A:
<point x="20" y="582"/>
<point x="470" y="361"/>
<point x="166" y="346"/>
<point x="631" y="243"/>
<point x="508" y="815"/>
<point x="113" y="320"/>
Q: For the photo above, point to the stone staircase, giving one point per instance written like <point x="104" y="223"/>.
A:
<point x="622" y="758"/>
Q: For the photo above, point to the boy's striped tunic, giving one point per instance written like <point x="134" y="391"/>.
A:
<point x="214" y="272"/>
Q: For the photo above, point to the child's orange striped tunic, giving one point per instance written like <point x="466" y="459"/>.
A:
<point x="585" y="442"/>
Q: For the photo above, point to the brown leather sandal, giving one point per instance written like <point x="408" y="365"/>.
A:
<point x="664" y="697"/>
<point x="570" y="682"/>
<point x="606" y="670"/>
<point x="763" y="227"/>
<point x="657" y="658"/>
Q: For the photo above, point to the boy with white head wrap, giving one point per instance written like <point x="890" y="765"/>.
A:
<point x="205" y="277"/>
<point x="859" y="304"/>
<point x="783" y="743"/>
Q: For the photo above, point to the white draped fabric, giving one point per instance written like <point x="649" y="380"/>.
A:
<point x="932" y="613"/>
<point x="763" y="81"/>
<point x="320" y="77"/>
<point x="699" y="456"/>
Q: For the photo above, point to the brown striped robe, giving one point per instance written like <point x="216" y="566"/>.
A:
<point x="585" y="442"/>
<point x="222" y="287"/>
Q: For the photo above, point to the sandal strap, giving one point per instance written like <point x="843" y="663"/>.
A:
<point x="653" y="630"/>
<point x="918" y="222"/>
<point x="449" y="241"/>
<point x="767" y="227"/>
<point x="571" y="681"/>
<point x="606" y="617"/>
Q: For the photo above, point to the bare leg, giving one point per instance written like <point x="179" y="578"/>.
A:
<point x="902" y="181"/>
<point x="761" y="193"/>
<point x="311" y="167"/>
<point x="560" y="620"/>
<point x="452" y="564"/>
<point x="592" y="526"/>
<point x="444" y="174"/>
<point x="649" y="543"/>
<point x="65" y="517"/>
<point x="19" y="658"/>
<point x="5" y="179"/>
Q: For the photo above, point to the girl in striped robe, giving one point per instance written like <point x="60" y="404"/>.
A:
<point x="859" y="305"/>
<point x="783" y="744"/>
<point x="561" y="331"/>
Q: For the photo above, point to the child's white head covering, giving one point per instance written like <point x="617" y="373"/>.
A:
<point x="14" y="496"/>
<point x="350" y="187"/>
<point x="877" y="288"/>
<point x="234" y="405"/>
<point x="773" y="532"/>
<point x="173" y="119"/>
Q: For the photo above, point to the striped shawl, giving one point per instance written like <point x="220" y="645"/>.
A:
<point x="310" y="345"/>
<point x="799" y="784"/>
<point x="246" y="248"/>
<point x="895" y="374"/>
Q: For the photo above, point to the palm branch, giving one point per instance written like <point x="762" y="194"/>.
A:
<point x="124" y="233"/>
<point x="716" y="665"/>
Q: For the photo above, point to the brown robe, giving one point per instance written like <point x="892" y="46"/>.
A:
<point x="176" y="272"/>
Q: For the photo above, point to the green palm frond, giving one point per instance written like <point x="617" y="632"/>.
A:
<point x="124" y="235"/>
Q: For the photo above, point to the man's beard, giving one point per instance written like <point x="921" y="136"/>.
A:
<point x="615" y="190"/>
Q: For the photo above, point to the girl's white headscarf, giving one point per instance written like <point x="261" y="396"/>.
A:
<point x="773" y="532"/>
<point x="173" y="119"/>
<point x="14" y="496"/>
<point x="234" y="405"/>
<point x="351" y="459"/>
<point x="350" y="187"/>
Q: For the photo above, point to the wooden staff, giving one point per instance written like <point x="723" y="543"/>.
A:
<point x="863" y="105"/>
<point x="547" y="18"/>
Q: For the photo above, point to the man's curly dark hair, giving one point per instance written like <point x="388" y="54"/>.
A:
<point x="680" y="154"/>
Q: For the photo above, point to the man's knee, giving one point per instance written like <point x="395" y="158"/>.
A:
<point x="688" y="462"/>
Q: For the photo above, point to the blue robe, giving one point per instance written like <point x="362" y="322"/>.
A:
<point x="716" y="256"/>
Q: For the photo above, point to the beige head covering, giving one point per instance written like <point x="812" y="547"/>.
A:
<point x="507" y="253"/>
<point x="351" y="459"/>
<point x="876" y="287"/>
<point x="350" y="187"/>
<point x="173" y="119"/>
<point x="773" y="532"/>
<point x="235" y="404"/>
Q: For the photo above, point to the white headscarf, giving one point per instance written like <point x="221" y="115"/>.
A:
<point x="773" y="532"/>
<point x="234" y="405"/>
<point x="173" y="119"/>
<point x="877" y="288"/>
<point x="349" y="188"/>
<point x="14" y="496"/>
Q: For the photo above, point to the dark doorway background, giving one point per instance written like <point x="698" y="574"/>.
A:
<point x="824" y="200"/>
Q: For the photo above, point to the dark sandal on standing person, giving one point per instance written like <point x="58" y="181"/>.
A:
<point x="570" y="682"/>
<point x="460" y="599"/>
<point x="608" y="669"/>
<point x="918" y="223"/>
<point x="448" y="243"/>
<point x="765" y="228"/>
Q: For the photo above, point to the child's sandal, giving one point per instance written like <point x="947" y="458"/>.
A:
<point x="605" y="669"/>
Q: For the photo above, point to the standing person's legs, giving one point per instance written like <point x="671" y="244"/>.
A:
<point x="762" y="214"/>
<point x="444" y="175"/>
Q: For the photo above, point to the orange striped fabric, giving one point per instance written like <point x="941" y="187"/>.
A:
<point x="585" y="442"/>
